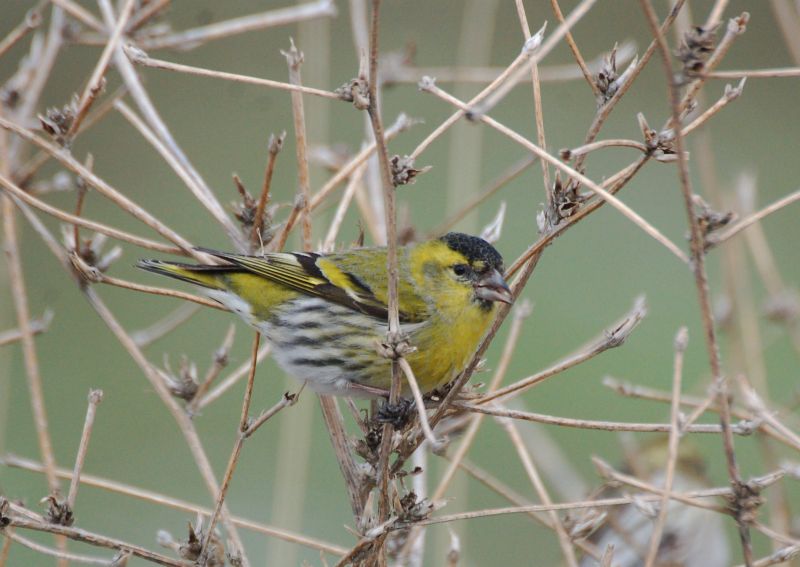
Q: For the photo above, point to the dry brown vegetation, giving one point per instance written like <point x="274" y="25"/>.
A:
<point x="392" y="496"/>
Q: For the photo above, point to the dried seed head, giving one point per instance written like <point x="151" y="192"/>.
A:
<point x="606" y="78"/>
<point x="356" y="91"/>
<point x="58" y="511"/>
<point x="697" y="46"/>
<point x="58" y="121"/>
<point x="403" y="172"/>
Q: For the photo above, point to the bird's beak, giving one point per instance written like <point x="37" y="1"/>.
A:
<point x="492" y="287"/>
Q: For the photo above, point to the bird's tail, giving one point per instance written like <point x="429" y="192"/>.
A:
<point x="205" y="276"/>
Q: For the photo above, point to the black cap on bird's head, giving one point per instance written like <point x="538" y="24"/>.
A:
<point x="487" y="263"/>
<point x="474" y="249"/>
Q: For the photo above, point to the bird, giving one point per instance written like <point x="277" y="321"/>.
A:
<point x="325" y="315"/>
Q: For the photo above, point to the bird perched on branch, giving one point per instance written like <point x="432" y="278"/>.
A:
<point x="326" y="315"/>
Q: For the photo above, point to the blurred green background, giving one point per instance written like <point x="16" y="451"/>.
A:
<point x="288" y="475"/>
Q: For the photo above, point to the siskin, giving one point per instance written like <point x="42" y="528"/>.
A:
<point x="325" y="315"/>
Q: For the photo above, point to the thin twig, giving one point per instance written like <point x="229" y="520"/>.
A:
<point x="81" y="14"/>
<point x="195" y="37"/>
<point x="235" y="452"/>
<point x="537" y="92"/>
<point x="681" y="340"/>
<point x="33" y="19"/>
<point x="633" y="216"/>
<point x="140" y="58"/>
<point x="575" y="51"/>
<point x="294" y="59"/>
<point x="96" y="81"/>
<point x="95" y="397"/>
<point x="44" y="550"/>
<point x="698" y="267"/>
<point x="273" y="148"/>
<point x="219" y="361"/>
<point x="22" y="195"/>
<point x="98" y="540"/>
<point x="174" y="503"/>
<point x="38" y="325"/>
<point x="723" y="235"/>
<point x="611" y="338"/>
<point x="30" y="357"/>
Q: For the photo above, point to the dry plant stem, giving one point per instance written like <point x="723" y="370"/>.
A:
<point x="341" y="210"/>
<point x="191" y="180"/>
<point x="508" y="73"/>
<point x="142" y="59"/>
<point x="24" y="174"/>
<point x="390" y="216"/>
<point x="294" y="59"/>
<point x="34" y="87"/>
<point x="690" y="498"/>
<point x="81" y="14"/>
<point x="174" y="503"/>
<point x="506" y="82"/>
<point x="161" y="328"/>
<point x="588" y="148"/>
<point x="37" y="326"/>
<point x="536" y="480"/>
<point x="701" y="280"/>
<point x="95" y="84"/>
<point x="98" y="540"/>
<point x="780" y="557"/>
<point x="537" y="93"/>
<point x="401" y="124"/>
<point x="420" y="403"/>
<point x="22" y="195"/>
<point x="614" y="183"/>
<point x="166" y="292"/>
<point x="192" y="38"/>
<point x="33" y="19"/>
<point x="232" y="379"/>
<point x="353" y="478"/>
<point x="701" y="406"/>
<point x="219" y="361"/>
<point x="574" y="48"/>
<point x="151" y="116"/>
<point x="609" y="339"/>
<point x="146" y="13"/>
<point x="273" y="148"/>
<point x="480" y="74"/>
<point x="715" y="15"/>
<point x="604" y="111"/>
<point x="6" y="548"/>
<point x="731" y="94"/>
<point x="710" y="428"/>
<point x="234" y="458"/>
<point x="681" y="340"/>
<point x="95" y="397"/>
<point x="736" y="27"/>
<point x="101" y="186"/>
<point x="30" y="357"/>
<point x="629" y="213"/>
<point x="782" y="72"/>
<point x="183" y="421"/>
<point x="727" y="233"/>
<point x="280" y="241"/>
<point x="44" y="550"/>
<point x="760" y="411"/>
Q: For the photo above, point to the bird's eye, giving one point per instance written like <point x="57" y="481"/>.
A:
<point x="460" y="269"/>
